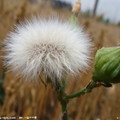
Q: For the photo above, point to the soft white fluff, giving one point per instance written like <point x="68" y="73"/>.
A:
<point x="50" y="47"/>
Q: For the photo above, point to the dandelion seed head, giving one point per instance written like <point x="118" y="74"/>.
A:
<point x="49" y="47"/>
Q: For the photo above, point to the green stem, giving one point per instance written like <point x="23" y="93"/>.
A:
<point x="64" y="109"/>
<point x="61" y="89"/>
<point x="2" y="92"/>
<point x="87" y="89"/>
<point x="74" y="19"/>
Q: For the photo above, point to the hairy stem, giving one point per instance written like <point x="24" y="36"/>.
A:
<point x="2" y="92"/>
<point x="61" y="89"/>
<point x="87" y="89"/>
<point x="64" y="103"/>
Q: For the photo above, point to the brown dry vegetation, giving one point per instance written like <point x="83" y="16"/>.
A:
<point x="23" y="99"/>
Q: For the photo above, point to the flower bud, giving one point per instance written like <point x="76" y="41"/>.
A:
<point x="107" y="65"/>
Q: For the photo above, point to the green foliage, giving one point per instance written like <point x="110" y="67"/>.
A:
<point x="102" y="19"/>
<point x="86" y="14"/>
<point x="118" y="23"/>
<point x="107" y="65"/>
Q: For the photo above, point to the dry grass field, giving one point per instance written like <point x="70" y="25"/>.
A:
<point x="23" y="99"/>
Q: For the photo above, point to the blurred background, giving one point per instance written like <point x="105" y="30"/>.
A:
<point x="101" y="19"/>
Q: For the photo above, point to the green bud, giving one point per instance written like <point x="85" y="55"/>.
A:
<point x="107" y="65"/>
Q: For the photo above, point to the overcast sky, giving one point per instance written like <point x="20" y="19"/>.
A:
<point x="110" y="8"/>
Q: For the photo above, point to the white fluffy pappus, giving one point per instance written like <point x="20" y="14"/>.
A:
<point x="50" y="47"/>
